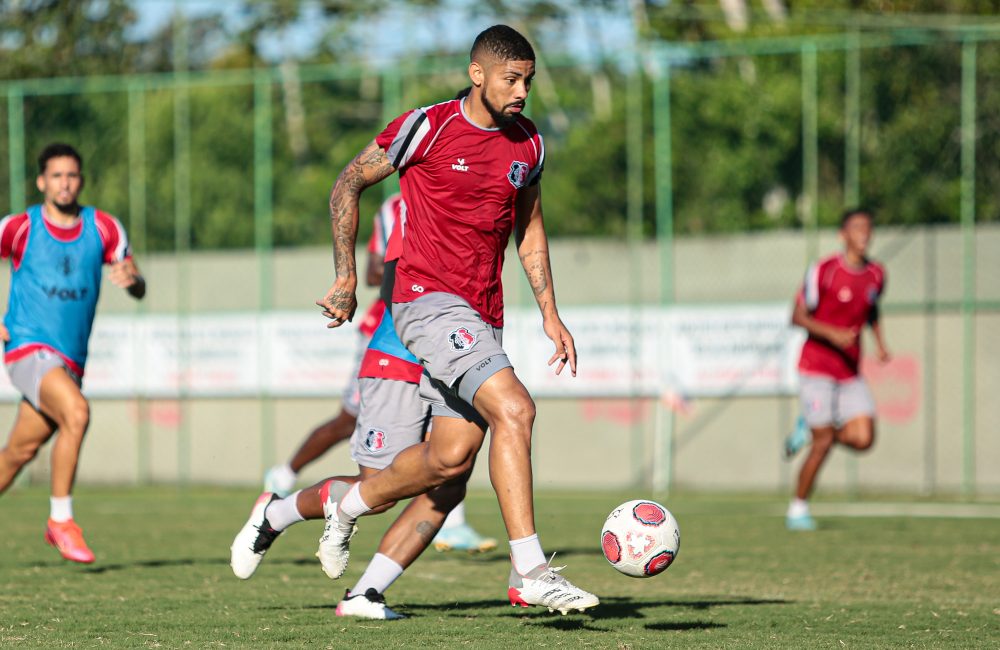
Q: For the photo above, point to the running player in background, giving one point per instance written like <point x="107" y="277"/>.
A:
<point x="840" y="295"/>
<point x="56" y="251"/>
<point x="281" y="479"/>
<point x="469" y="173"/>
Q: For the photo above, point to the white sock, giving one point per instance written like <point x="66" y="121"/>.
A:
<point x="352" y="504"/>
<point x="60" y="509"/>
<point x="798" y="508"/>
<point x="284" y="512"/>
<point x="381" y="572"/>
<point x="526" y="553"/>
<point x="456" y="517"/>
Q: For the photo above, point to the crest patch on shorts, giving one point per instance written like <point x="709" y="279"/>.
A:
<point x="375" y="440"/>
<point x="462" y="339"/>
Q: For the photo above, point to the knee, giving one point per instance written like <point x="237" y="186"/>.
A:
<point x="76" y="419"/>
<point x="516" y="414"/>
<point x="821" y="445"/>
<point x="865" y="440"/>
<point x="22" y="454"/>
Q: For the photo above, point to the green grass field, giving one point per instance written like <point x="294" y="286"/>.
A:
<point x="162" y="580"/>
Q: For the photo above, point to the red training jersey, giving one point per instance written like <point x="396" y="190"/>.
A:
<point x="837" y="294"/>
<point x="459" y="182"/>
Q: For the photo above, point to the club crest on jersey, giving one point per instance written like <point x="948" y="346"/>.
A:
<point x="845" y="294"/>
<point x="375" y="440"/>
<point x="462" y="339"/>
<point x="518" y="174"/>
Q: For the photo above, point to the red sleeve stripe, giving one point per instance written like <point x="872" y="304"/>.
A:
<point x="113" y="235"/>
<point x="14" y="230"/>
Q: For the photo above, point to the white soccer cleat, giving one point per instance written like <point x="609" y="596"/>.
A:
<point x="370" y="604"/>
<point x="544" y="586"/>
<point x="253" y="540"/>
<point x="334" y="546"/>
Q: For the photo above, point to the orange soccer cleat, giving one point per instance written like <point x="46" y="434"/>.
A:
<point x="67" y="537"/>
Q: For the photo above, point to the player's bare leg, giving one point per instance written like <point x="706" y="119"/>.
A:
<point x="798" y="516"/>
<point x="858" y="433"/>
<point x="31" y="430"/>
<point x="280" y="479"/>
<point x="62" y="402"/>
<point x="322" y="438"/>
<point x="402" y="544"/>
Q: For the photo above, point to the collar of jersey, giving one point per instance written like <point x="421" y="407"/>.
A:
<point x="461" y="107"/>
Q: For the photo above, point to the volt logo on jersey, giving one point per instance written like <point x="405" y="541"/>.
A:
<point x="462" y="339"/>
<point x="518" y="174"/>
<point x="461" y="166"/>
<point x="64" y="293"/>
<point x="375" y="440"/>
<point x="66" y="264"/>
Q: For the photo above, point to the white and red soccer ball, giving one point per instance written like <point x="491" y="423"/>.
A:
<point x="640" y="538"/>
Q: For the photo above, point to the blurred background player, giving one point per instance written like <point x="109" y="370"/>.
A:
<point x="56" y="251"/>
<point x="469" y="172"/>
<point x="392" y="417"/>
<point x="839" y="296"/>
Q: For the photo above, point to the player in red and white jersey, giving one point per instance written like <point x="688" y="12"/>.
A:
<point x="280" y="479"/>
<point x="470" y="173"/>
<point x="57" y="251"/>
<point x="838" y="298"/>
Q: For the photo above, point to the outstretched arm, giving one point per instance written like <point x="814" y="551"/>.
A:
<point x="368" y="168"/>
<point x="533" y="249"/>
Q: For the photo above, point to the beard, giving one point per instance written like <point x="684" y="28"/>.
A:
<point x="67" y="208"/>
<point x="501" y="119"/>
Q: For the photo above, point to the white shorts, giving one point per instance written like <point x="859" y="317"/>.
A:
<point x="828" y="402"/>
<point x="26" y="373"/>
<point x="392" y="418"/>
<point x="350" y="399"/>
<point x="456" y="347"/>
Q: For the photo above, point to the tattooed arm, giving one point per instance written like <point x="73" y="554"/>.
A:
<point x="368" y="168"/>
<point x="533" y="249"/>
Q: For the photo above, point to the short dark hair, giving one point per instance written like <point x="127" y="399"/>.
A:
<point x="502" y="43"/>
<point x="58" y="150"/>
<point x="854" y="212"/>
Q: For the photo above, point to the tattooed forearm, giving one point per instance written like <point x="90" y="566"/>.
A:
<point x="368" y="167"/>
<point x="426" y="531"/>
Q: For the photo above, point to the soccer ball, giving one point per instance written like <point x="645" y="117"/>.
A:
<point x="640" y="538"/>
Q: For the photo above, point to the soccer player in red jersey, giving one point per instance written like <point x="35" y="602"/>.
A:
<point x="57" y="250"/>
<point x="839" y="296"/>
<point x="470" y="173"/>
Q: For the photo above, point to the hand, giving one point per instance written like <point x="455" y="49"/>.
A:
<point x="340" y="303"/>
<point x="565" y="346"/>
<point x="882" y="355"/>
<point x="123" y="274"/>
<point x="842" y="337"/>
<point x="4" y="334"/>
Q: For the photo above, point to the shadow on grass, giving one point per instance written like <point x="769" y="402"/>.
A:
<point x="153" y="564"/>
<point x="498" y="556"/>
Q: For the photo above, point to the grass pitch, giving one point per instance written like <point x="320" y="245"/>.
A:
<point x="162" y="580"/>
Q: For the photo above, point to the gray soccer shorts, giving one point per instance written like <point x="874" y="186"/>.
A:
<point x="392" y="418"/>
<point x="828" y="402"/>
<point x="456" y="347"/>
<point x="26" y="374"/>
<point x="350" y="399"/>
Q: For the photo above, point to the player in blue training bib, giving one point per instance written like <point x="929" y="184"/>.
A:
<point x="56" y="250"/>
